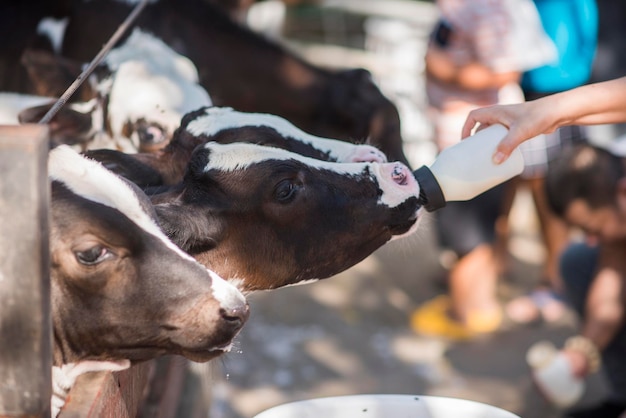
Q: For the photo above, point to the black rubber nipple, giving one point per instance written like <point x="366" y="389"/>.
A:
<point x="431" y="196"/>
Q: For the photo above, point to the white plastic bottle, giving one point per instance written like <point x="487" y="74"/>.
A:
<point x="553" y="375"/>
<point x="465" y="170"/>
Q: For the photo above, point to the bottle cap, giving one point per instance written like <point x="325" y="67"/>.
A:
<point x="431" y="196"/>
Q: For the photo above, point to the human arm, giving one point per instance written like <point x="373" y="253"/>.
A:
<point x="592" y="104"/>
<point x="604" y="309"/>
<point x="470" y="76"/>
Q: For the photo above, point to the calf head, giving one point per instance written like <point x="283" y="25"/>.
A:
<point x="144" y="88"/>
<point x="225" y="125"/>
<point x="152" y="88"/>
<point x="120" y="289"/>
<point x="270" y="218"/>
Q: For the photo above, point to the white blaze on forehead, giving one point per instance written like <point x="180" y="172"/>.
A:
<point x="228" y="295"/>
<point x="153" y="82"/>
<point x="217" y="119"/>
<point x="90" y="180"/>
<point x="238" y="156"/>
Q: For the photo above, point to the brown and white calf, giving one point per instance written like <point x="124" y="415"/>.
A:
<point x="264" y="217"/>
<point x="167" y="166"/>
<point x="121" y="291"/>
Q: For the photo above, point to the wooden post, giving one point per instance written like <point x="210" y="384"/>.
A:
<point x="25" y="322"/>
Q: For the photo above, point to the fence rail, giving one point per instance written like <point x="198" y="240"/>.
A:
<point x="25" y="322"/>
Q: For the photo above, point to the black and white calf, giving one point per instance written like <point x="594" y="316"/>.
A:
<point x="121" y="291"/>
<point x="265" y="217"/>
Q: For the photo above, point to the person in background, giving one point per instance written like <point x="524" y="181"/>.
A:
<point x="476" y="55"/>
<point x="586" y="187"/>
<point x="573" y="27"/>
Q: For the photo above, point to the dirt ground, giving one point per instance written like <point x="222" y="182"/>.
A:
<point x="350" y="334"/>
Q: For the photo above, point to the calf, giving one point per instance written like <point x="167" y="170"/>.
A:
<point x="240" y="69"/>
<point x="142" y="90"/>
<point x="266" y="217"/>
<point x="225" y="125"/>
<point x="121" y="292"/>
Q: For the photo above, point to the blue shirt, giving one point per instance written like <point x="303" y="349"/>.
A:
<point x="573" y="27"/>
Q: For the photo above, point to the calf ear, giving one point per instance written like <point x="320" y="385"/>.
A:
<point x="52" y="74"/>
<point x="68" y="126"/>
<point x="191" y="229"/>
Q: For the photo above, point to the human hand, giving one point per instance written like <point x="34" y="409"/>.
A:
<point x="578" y="361"/>
<point x="523" y="120"/>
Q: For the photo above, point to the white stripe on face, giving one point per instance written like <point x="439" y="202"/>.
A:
<point x="90" y="180"/>
<point x="226" y="292"/>
<point x="238" y="156"/>
<point x="218" y="119"/>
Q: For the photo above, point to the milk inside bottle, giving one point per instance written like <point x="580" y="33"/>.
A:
<point x="465" y="170"/>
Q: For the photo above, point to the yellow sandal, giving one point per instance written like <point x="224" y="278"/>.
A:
<point x="433" y="318"/>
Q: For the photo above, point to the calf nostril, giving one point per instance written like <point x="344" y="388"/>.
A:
<point x="236" y="315"/>
<point x="398" y="175"/>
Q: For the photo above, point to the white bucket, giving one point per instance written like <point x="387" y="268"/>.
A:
<point x="385" y="406"/>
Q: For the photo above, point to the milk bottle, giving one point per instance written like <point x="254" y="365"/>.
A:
<point x="553" y="375"/>
<point x="465" y="170"/>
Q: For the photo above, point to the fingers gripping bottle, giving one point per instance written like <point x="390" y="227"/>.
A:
<point x="465" y="170"/>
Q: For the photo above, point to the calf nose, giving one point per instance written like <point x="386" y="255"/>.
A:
<point x="400" y="174"/>
<point x="233" y="305"/>
<point x="236" y="316"/>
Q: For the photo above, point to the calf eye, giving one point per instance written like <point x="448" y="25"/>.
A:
<point x="285" y="191"/>
<point x="93" y="255"/>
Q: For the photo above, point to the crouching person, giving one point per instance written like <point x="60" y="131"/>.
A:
<point x="587" y="188"/>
